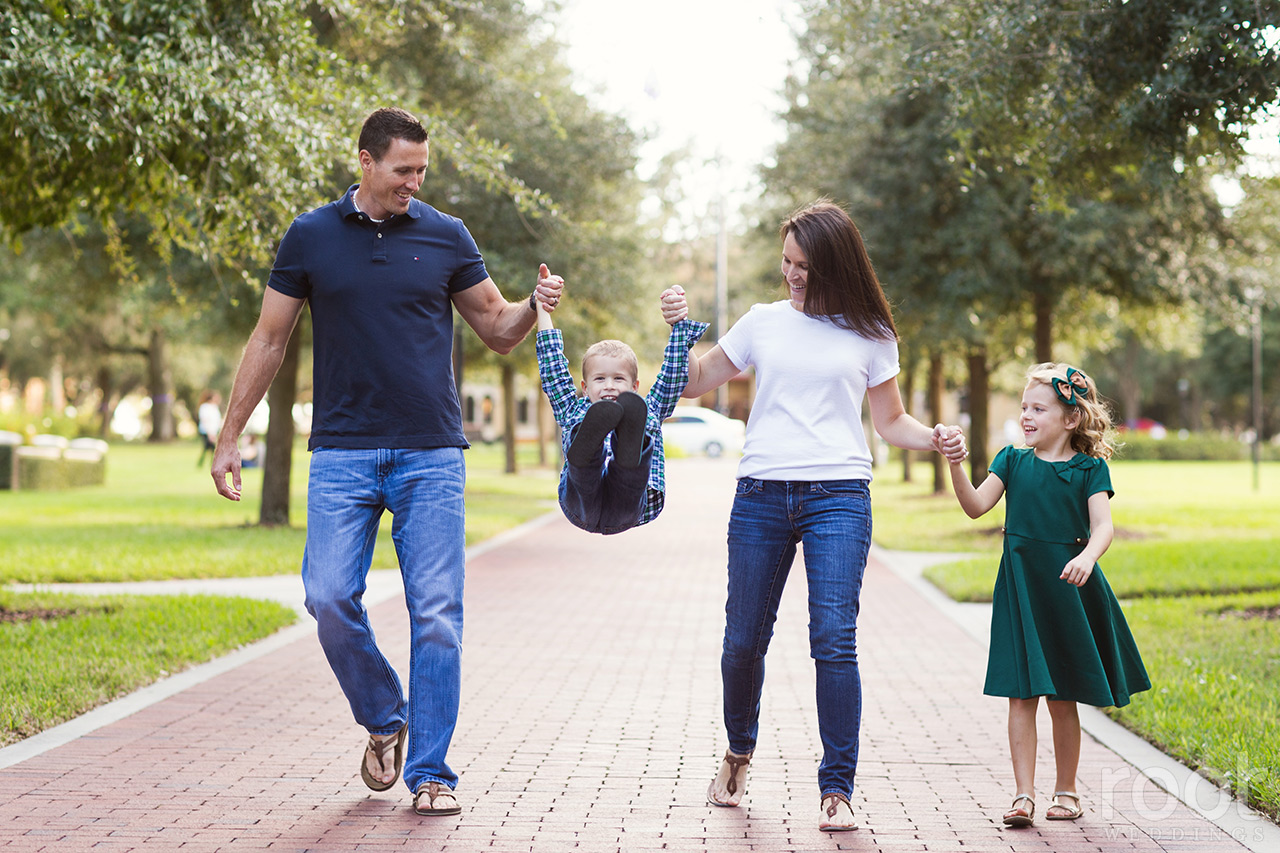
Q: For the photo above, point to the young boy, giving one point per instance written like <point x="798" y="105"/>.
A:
<point x="613" y="475"/>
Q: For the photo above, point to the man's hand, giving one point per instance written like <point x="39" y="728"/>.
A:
<point x="226" y="460"/>
<point x="550" y="288"/>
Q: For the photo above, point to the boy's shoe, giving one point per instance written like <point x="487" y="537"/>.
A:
<point x="628" y="437"/>
<point x="598" y="422"/>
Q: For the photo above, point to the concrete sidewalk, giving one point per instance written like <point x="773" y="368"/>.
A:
<point x="591" y="721"/>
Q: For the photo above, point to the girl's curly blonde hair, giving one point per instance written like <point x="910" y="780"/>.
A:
<point x="1077" y="394"/>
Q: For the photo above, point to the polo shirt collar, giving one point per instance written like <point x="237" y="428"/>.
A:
<point x="347" y="205"/>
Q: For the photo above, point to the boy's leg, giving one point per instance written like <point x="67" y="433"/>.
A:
<point x="624" y="491"/>
<point x="628" y="438"/>
<point x="587" y="442"/>
<point x="580" y="492"/>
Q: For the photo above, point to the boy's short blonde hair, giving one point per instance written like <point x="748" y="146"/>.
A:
<point x="612" y="349"/>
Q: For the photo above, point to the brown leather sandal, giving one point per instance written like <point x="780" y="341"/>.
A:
<point x="434" y="791"/>
<point x="736" y="763"/>
<point x="379" y="748"/>
<point x="827" y="822"/>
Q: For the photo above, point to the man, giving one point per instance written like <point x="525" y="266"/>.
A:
<point x="382" y="272"/>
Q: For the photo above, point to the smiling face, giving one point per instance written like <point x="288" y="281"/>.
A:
<point x="1046" y="427"/>
<point x="795" y="270"/>
<point x="388" y="184"/>
<point x="607" y="376"/>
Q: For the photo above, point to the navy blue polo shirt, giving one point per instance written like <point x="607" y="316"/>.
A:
<point x="382" y="320"/>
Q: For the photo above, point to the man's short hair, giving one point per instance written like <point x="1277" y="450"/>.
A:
<point x="386" y="124"/>
<point x="612" y="349"/>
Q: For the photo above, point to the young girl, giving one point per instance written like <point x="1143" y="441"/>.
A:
<point x="1056" y="628"/>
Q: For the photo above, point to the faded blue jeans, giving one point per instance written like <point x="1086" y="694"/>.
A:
<point x="347" y="494"/>
<point x="832" y="520"/>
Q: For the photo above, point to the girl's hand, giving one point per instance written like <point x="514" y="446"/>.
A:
<point x="1077" y="571"/>
<point x="674" y="306"/>
<point x="949" y="441"/>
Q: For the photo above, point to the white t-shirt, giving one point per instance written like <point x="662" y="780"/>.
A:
<point x="811" y="377"/>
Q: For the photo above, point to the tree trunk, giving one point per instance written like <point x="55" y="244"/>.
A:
<point x="106" y="406"/>
<point x="160" y="384"/>
<point x="935" y="413"/>
<point x="509" y="413"/>
<point x="543" y="414"/>
<point x="1129" y="384"/>
<point x="277" y="461"/>
<point x="979" y="413"/>
<point x="908" y="394"/>
<point x="1042" y="303"/>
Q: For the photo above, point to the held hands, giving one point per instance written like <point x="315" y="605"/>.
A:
<point x="949" y="441"/>
<point x="674" y="306"/>
<point x="549" y="290"/>
<point x="1078" y="571"/>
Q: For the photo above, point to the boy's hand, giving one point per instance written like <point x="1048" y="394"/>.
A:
<point x="674" y="306"/>
<point x="550" y="288"/>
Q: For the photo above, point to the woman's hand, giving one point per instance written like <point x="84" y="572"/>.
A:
<point x="949" y="441"/>
<point x="1077" y="571"/>
<point x="674" y="306"/>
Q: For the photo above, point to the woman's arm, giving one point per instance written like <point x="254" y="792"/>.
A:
<point x="709" y="372"/>
<point x="892" y="421"/>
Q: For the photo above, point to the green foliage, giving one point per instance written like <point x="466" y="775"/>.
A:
<point x="1214" y="663"/>
<point x="1196" y="446"/>
<point x="189" y="113"/>
<point x="61" y="655"/>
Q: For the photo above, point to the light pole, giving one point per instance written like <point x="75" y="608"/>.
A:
<point x="1255" y="323"/>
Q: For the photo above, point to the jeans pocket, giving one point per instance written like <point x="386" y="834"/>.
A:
<point x="841" y="488"/>
<point x="749" y="486"/>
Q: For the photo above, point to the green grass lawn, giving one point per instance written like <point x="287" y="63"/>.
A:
<point x="158" y="516"/>
<point x="1195" y="559"/>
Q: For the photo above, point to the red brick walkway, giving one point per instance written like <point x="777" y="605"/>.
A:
<point x="590" y="721"/>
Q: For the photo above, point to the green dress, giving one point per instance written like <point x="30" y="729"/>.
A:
<point x="1048" y="637"/>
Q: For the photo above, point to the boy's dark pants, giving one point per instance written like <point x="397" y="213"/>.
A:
<point x="603" y="497"/>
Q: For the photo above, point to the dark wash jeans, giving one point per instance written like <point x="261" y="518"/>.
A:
<point x="604" y="497"/>
<point x="832" y="521"/>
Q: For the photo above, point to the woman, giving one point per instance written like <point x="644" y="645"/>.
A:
<point x="804" y="478"/>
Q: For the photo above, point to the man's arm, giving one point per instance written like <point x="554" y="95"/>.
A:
<point x="499" y="323"/>
<point x="258" y="366"/>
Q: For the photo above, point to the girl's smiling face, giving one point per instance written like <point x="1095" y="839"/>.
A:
<point x="1045" y="426"/>
<point x="795" y="270"/>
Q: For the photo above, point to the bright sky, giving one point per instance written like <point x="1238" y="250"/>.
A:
<point x="703" y="73"/>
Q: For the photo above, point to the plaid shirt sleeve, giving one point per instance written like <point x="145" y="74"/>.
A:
<point x="553" y="370"/>
<point x="661" y="400"/>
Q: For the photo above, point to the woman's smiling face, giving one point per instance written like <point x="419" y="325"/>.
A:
<point x="795" y="270"/>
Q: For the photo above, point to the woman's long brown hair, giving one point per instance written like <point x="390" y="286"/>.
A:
<point x="842" y="284"/>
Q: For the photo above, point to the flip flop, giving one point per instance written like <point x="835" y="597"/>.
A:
<point x="379" y="748"/>
<point x="1072" y="812"/>
<point x="434" y="791"/>
<point x="736" y="763"/>
<point x="829" y="812"/>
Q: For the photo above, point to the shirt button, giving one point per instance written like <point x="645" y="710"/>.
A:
<point x="379" y="235"/>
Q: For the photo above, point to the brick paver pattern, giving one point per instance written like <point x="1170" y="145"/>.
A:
<point x="590" y="721"/>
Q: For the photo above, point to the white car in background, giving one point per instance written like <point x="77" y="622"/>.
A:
<point x="698" y="431"/>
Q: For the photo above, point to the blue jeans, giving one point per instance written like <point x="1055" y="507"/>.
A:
<point x="832" y="519"/>
<point x="604" y="497"/>
<point x="348" y="492"/>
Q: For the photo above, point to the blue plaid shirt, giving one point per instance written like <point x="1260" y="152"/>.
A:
<point x="569" y="407"/>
